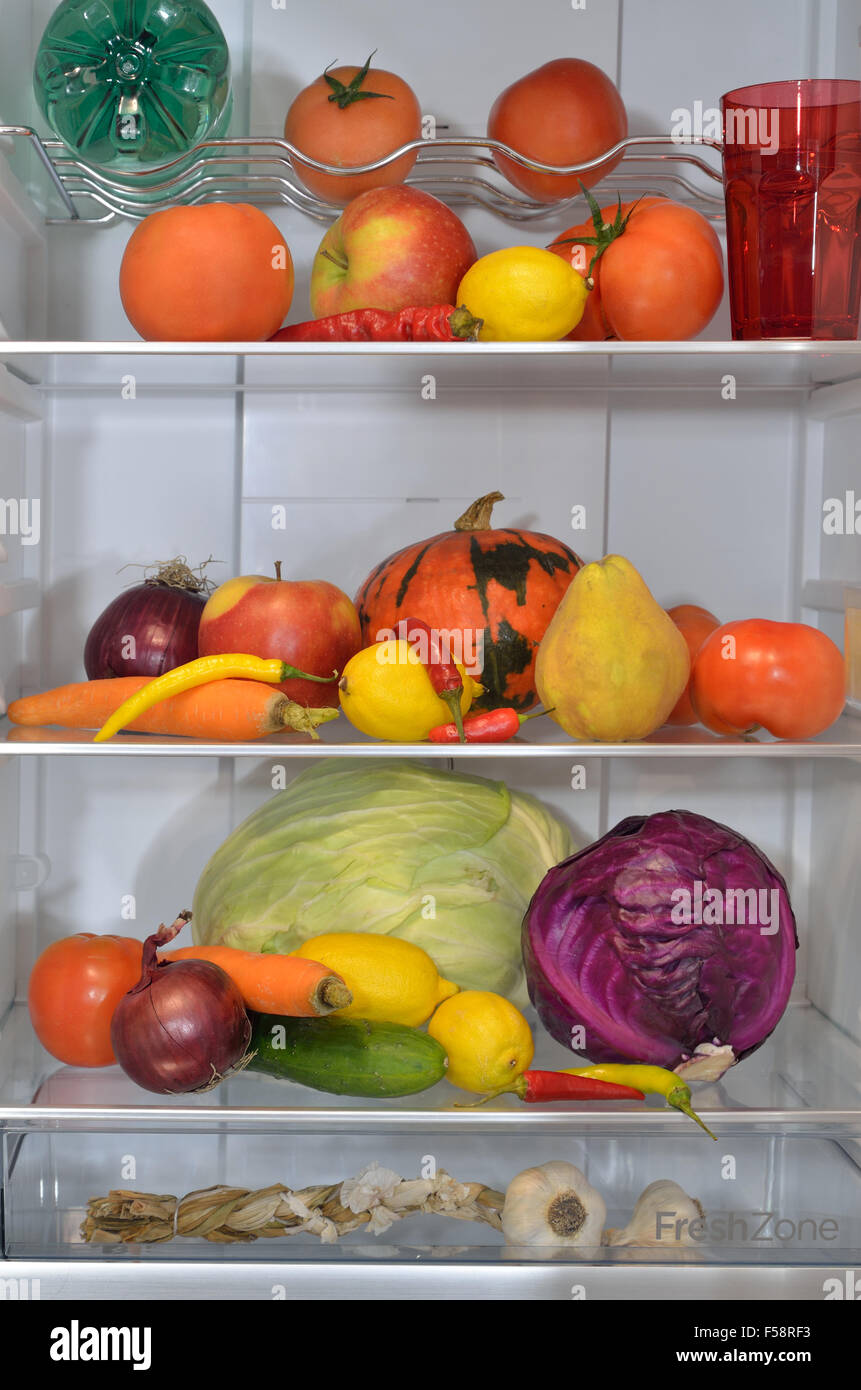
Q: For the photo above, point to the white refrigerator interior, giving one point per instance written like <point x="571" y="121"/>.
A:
<point x="707" y="464"/>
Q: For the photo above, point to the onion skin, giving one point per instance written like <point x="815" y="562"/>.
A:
<point x="602" y="951"/>
<point x="162" y="618"/>
<point x="183" y="1027"/>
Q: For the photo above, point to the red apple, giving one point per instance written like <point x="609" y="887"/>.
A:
<point x="390" y="248"/>
<point x="308" y="623"/>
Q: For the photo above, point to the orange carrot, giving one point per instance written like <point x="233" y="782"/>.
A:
<point x="238" y="710"/>
<point x="78" y="706"/>
<point x="273" y="984"/>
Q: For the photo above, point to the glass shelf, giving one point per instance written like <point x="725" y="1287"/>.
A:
<point x="804" y="1080"/>
<point x="796" y="368"/>
<point x="339" y="739"/>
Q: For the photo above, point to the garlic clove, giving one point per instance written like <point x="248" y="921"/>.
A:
<point x="664" y="1215"/>
<point x="553" y="1205"/>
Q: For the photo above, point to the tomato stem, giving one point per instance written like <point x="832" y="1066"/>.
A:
<point x="345" y="95"/>
<point x="605" y="232"/>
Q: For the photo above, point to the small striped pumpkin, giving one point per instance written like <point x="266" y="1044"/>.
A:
<point x="498" y="586"/>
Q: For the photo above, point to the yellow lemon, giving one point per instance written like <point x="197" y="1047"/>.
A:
<point x="392" y="981"/>
<point x="386" y="692"/>
<point x="523" y="294"/>
<point x="487" y="1039"/>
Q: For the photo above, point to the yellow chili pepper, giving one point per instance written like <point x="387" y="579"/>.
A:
<point x="656" y="1081"/>
<point x="200" y="672"/>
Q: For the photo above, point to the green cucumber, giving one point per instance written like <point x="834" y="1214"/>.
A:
<point x="347" y="1056"/>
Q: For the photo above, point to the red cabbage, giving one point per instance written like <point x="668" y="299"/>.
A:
<point x="606" y="946"/>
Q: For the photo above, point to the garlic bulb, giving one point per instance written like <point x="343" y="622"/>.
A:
<point x="553" y="1204"/>
<point x="663" y="1215"/>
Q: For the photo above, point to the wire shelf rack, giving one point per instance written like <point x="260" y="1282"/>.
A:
<point x="459" y="169"/>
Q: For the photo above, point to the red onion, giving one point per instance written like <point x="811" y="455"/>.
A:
<point x="183" y="1027"/>
<point x="161" y="616"/>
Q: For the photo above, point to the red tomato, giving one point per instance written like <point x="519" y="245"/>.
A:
<point x="695" y="624"/>
<point x="565" y="112"/>
<point x="75" y="986"/>
<point x="661" y="278"/>
<point x="787" y="678"/>
<point x="360" y="132"/>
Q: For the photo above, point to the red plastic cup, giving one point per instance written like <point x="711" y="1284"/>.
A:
<point x="792" y="181"/>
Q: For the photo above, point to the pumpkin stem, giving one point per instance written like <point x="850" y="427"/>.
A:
<point x="477" y="516"/>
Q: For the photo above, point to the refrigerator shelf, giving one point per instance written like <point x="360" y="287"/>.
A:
<point x="339" y="739"/>
<point x="841" y="356"/>
<point x="258" y="170"/>
<point x="805" y="1080"/>
<point x="724" y="371"/>
<point x="823" y="378"/>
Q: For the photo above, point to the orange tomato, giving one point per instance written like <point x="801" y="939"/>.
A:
<point x="75" y="986"/>
<point x="662" y="278"/>
<point x="365" y="129"/>
<point x="565" y="112"/>
<point x="787" y="678"/>
<point x="695" y="624"/>
<point x="218" y="272"/>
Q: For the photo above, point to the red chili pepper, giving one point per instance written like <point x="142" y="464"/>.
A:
<point x="419" y="324"/>
<point x="536" y="1086"/>
<point x="491" y="726"/>
<point x="444" y="675"/>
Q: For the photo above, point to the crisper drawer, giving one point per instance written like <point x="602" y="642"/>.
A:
<point x="769" y="1201"/>
<point x="91" y="1173"/>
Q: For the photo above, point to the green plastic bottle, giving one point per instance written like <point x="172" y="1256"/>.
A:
<point x="128" y="85"/>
